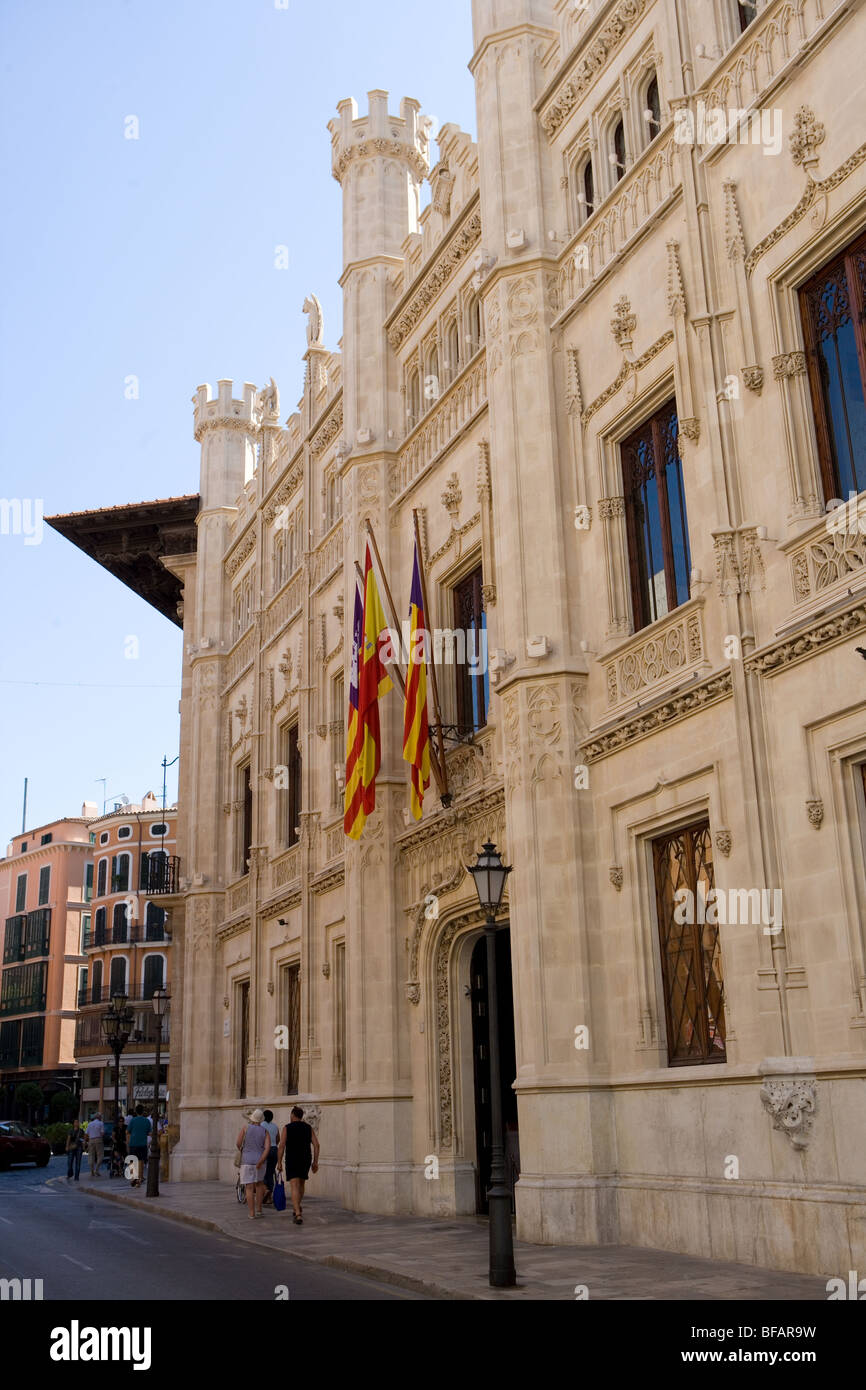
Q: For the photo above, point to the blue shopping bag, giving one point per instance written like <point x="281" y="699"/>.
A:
<point x="279" y="1193"/>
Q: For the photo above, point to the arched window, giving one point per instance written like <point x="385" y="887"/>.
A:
<point x="154" y="929"/>
<point x="99" y="927"/>
<point x="154" y="977"/>
<point x="117" y="976"/>
<point x="452" y="351"/>
<point x="102" y="878"/>
<point x="279" y="560"/>
<point x="473" y="325"/>
<point x="413" y="399"/>
<point x="290" y="549"/>
<point x="585" y="188"/>
<point x="118" y="923"/>
<point x="652" y="111"/>
<point x="96" y="982"/>
<point x="432" y="384"/>
<point x="120" y="865"/>
<point x="616" y="157"/>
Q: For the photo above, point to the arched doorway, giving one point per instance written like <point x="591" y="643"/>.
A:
<point x="481" y="1063"/>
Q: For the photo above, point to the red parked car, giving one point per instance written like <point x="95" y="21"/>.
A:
<point x="20" y="1144"/>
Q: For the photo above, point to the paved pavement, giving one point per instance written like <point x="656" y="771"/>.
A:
<point x="448" y="1258"/>
<point x="88" y="1251"/>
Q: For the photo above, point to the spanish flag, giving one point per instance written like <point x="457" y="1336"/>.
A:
<point x="416" y="735"/>
<point x="354" y="817"/>
<point x="373" y="681"/>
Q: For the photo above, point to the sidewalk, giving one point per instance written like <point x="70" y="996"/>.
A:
<point x="448" y="1258"/>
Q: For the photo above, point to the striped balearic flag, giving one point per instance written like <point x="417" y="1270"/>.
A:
<point x="416" y="734"/>
<point x="353" y="809"/>
<point x="373" y="682"/>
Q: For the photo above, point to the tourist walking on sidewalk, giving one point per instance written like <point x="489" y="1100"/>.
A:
<point x="271" y="1162"/>
<point x="139" y="1129"/>
<point x="254" y="1143"/>
<point x="298" y="1147"/>
<point x="95" y="1144"/>
<point x="74" y="1150"/>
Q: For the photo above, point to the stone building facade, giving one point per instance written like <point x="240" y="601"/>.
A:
<point x="613" y="366"/>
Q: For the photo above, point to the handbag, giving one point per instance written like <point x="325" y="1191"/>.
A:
<point x="279" y="1193"/>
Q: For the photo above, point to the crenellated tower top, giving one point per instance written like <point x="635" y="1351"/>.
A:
<point x="226" y="429"/>
<point x="223" y="411"/>
<point x="404" y="137"/>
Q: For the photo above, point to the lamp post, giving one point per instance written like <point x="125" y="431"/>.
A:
<point x="116" y="1027"/>
<point x="490" y="874"/>
<point x="160" y="1005"/>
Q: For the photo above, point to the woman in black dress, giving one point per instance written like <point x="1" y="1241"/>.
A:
<point x="299" y="1149"/>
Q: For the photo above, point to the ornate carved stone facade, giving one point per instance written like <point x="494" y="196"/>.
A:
<point x="549" y="334"/>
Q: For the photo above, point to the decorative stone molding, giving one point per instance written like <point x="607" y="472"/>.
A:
<point x="815" y="811"/>
<point x="391" y="149"/>
<point x="326" y="970"/>
<point x="735" y="242"/>
<point x="791" y="1105"/>
<point x="329" y="430"/>
<point x="689" y="428"/>
<point x="675" y="646"/>
<point x="241" y="552"/>
<point x="286" y="491"/>
<point x="573" y="398"/>
<point x="452" y="497"/>
<point x="723" y="840"/>
<point x="808" y="640"/>
<point x="675" y="291"/>
<point x="452" y="254"/>
<point x="442" y="184"/>
<point x="806" y="136"/>
<point x="623" y="323"/>
<point x="814" y="189"/>
<point x="590" y="62"/>
<point x="828" y="558"/>
<point x="753" y="378"/>
<point x="679" y="706"/>
<point x="616" y="876"/>
<point x="625" y="371"/>
<point x="456" y="535"/>
<point x="611" y="507"/>
<point x="788" y="364"/>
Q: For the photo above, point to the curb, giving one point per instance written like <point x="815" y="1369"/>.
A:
<point x="378" y="1273"/>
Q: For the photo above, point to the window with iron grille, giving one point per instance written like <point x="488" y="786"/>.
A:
<point x="472" y="679"/>
<point x="21" y="893"/>
<point x="292" y="792"/>
<point x="37" y="937"/>
<point x="96" y="981"/>
<point x="290" y="1003"/>
<point x="99" y="927"/>
<point x="120" y="868"/>
<point x="656" y="523"/>
<point x="340" y="1019"/>
<point x="119" y="929"/>
<point x="117" y="976"/>
<point x="154" y="975"/>
<point x="13" y="941"/>
<point x="102" y="878"/>
<point x="10" y="1042"/>
<point x="690" y="951"/>
<point x="242" y="1036"/>
<point x="32" y="1041"/>
<point x="833" y="308"/>
<point x="154" y="922"/>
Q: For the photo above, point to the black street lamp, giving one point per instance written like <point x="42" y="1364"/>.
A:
<point x="160" y="1005"/>
<point x="490" y="874"/>
<point x="116" y="1028"/>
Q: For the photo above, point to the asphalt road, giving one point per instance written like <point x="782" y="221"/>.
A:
<point x="85" y="1248"/>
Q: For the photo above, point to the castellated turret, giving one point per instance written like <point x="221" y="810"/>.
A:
<point x="226" y="429"/>
<point x="380" y="161"/>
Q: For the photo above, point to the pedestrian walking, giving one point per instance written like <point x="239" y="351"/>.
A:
<point x="299" y="1149"/>
<point x="271" y="1161"/>
<point x="254" y="1143"/>
<point x="139" y="1129"/>
<point x="74" y="1150"/>
<point x="119" y="1141"/>
<point x="95" y="1143"/>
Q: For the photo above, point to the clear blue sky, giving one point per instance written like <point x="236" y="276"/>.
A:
<point x="155" y="258"/>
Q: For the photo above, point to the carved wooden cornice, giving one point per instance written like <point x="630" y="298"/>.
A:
<point x="420" y="296"/>
<point x="679" y="706"/>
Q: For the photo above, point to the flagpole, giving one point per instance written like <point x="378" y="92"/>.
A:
<point x="441" y="779"/>
<point x="444" y="793"/>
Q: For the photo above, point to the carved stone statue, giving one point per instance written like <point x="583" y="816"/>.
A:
<point x="269" y="401"/>
<point x="315" y="322"/>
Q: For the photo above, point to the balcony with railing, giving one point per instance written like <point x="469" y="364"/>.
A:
<point x="90" y="1039"/>
<point x="160" y="873"/>
<point x="126" y="935"/>
<point x="138" y="997"/>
